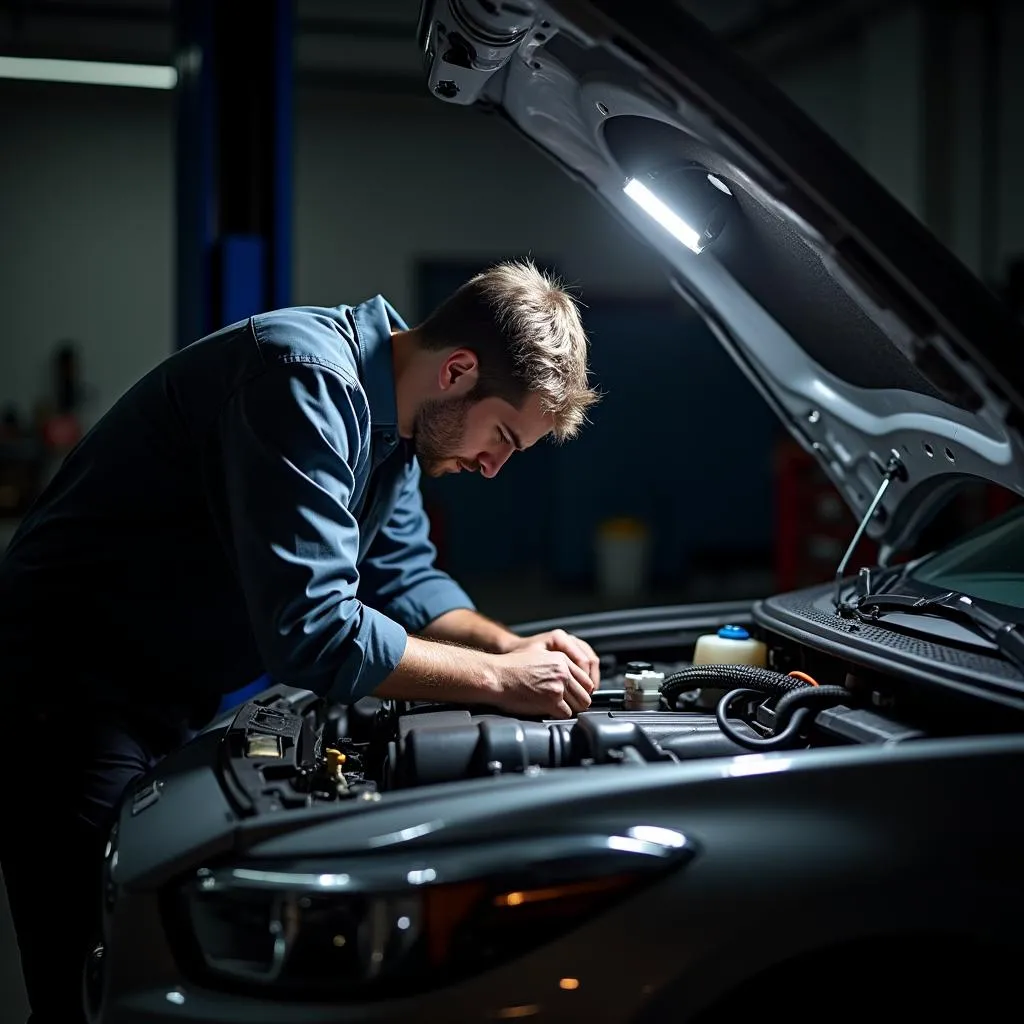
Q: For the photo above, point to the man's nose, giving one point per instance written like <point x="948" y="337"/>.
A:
<point x="491" y="462"/>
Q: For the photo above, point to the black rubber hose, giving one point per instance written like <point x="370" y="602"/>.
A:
<point x="750" y="677"/>
<point x="816" y="698"/>
<point x="789" y="737"/>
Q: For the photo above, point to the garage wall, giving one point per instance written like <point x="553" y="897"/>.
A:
<point x="86" y="228"/>
<point x="828" y="85"/>
<point x="86" y="190"/>
<point x="381" y="182"/>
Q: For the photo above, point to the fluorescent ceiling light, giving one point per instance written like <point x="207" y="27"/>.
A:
<point x="89" y="72"/>
<point x="652" y="205"/>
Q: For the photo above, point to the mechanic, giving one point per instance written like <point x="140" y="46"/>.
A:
<point x="252" y="505"/>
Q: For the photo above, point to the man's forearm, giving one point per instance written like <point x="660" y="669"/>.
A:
<point x="464" y="626"/>
<point x="437" y="671"/>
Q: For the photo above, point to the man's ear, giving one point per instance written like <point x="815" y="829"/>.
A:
<point x="459" y="372"/>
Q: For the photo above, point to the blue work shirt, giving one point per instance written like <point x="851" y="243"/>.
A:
<point x="247" y="507"/>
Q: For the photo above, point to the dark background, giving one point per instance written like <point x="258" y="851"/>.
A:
<point x="391" y="192"/>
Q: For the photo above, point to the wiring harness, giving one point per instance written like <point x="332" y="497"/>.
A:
<point x="799" y="698"/>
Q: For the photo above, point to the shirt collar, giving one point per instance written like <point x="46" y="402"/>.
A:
<point x="374" y="321"/>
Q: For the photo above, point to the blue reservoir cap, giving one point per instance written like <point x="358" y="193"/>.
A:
<point x="733" y="633"/>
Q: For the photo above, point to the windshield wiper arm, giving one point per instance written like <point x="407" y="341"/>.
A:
<point x="1007" y="636"/>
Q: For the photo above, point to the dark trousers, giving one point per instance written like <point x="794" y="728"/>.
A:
<point x="64" y="780"/>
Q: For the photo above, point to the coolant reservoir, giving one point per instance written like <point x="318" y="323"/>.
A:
<point x="731" y="645"/>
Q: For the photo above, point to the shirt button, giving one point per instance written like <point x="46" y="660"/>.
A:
<point x="389" y="438"/>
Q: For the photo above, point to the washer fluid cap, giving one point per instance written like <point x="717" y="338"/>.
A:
<point x="733" y="633"/>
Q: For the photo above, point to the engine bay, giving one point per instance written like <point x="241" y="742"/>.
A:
<point x="289" y="748"/>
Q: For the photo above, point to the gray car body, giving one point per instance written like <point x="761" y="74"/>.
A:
<point x="814" y="849"/>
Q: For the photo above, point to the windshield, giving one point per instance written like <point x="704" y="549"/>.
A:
<point x="988" y="564"/>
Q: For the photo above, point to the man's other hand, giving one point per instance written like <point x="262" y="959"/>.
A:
<point x="537" y="681"/>
<point x="577" y="650"/>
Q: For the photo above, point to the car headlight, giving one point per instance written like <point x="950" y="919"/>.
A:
<point x="305" y="929"/>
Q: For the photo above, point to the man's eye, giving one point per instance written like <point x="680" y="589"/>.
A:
<point x="502" y="437"/>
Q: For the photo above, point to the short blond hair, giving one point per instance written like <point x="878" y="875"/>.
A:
<point x="525" y="329"/>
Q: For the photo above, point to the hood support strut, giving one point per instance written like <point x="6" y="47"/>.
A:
<point x="894" y="470"/>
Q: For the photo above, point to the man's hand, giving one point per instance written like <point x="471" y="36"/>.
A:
<point x="464" y="626"/>
<point x="532" y="681"/>
<point x="578" y="651"/>
<point x="537" y="681"/>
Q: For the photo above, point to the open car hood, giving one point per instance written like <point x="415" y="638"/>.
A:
<point x="864" y="334"/>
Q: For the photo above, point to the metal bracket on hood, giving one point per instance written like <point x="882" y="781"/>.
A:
<point x="895" y="469"/>
<point x="466" y="42"/>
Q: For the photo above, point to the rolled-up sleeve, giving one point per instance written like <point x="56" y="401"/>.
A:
<point x="286" y="450"/>
<point x="398" y="571"/>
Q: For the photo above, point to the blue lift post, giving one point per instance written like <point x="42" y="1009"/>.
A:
<point x="233" y="167"/>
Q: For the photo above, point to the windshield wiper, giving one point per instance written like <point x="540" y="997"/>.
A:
<point x="1007" y="636"/>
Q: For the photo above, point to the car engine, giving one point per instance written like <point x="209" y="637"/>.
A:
<point x="288" y="748"/>
<point x="285" y="754"/>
